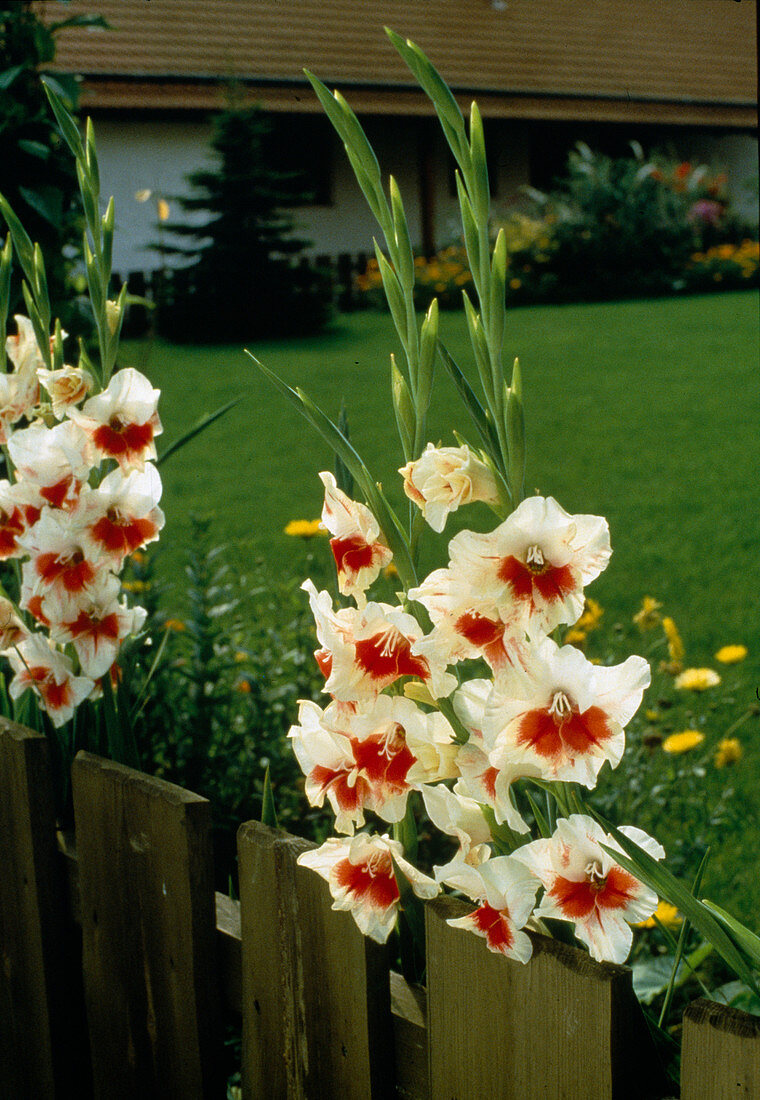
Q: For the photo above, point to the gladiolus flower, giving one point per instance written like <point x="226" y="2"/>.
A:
<point x="54" y="461"/>
<point x="12" y="629"/>
<point x="359" y="872"/>
<point x="357" y="547"/>
<point x="442" y="479"/>
<point x="562" y="713"/>
<point x="684" y="741"/>
<point x="697" y="679"/>
<point x="586" y="887"/>
<point x="66" y="387"/>
<point x="365" y="651"/>
<point x="96" y="625"/>
<point x="731" y="654"/>
<point x="370" y="759"/>
<point x="537" y="561"/>
<point x="460" y="817"/>
<point x="122" y="421"/>
<point x="50" y="675"/>
<point x="505" y="891"/>
<point x="121" y="514"/>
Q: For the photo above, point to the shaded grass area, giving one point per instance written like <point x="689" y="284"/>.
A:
<point x="644" y="412"/>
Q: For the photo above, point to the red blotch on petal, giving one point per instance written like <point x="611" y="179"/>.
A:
<point x="494" y="925"/>
<point x="581" y="731"/>
<point x="349" y="798"/>
<point x="387" y="656"/>
<point x="376" y="885"/>
<point x="384" y="764"/>
<point x="352" y="554"/>
<point x="11" y="526"/>
<point x="553" y="584"/>
<point x="117" y="439"/>
<point x="619" y="888"/>
<point x="107" y="627"/>
<point x="120" y="535"/>
<point x="56" y="494"/>
<point x="323" y="657"/>
<point x="539" y="730"/>
<point x="577" y="900"/>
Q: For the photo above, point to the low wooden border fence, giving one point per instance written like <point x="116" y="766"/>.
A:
<point x="118" y="960"/>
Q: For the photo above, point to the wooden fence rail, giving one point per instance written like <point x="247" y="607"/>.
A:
<point x="118" y="961"/>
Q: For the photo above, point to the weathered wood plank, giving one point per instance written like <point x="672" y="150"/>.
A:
<point x="563" y="1027"/>
<point x="148" y="929"/>
<point x="40" y="994"/>
<point x="720" y="1059"/>
<point x="316" y="996"/>
<point x="409" y="1008"/>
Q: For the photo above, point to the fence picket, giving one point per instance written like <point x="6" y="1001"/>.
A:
<point x="563" y="1026"/>
<point x="721" y="1053"/>
<point x="148" y="928"/>
<point x="40" y="997"/>
<point x="316" y="993"/>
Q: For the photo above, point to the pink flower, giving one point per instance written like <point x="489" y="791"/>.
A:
<point x="122" y="421"/>
<point x="359" y="872"/>
<point x="584" y="885"/>
<point x="442" y="479"/>
<point x="358" y="550"/>
<point x="562" y="713"/>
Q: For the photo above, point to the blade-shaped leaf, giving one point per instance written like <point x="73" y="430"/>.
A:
<point x="200" y="426"/>
<point x="479" y="415"/>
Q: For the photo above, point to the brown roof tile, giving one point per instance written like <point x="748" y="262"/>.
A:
<point x="696" y="55"/>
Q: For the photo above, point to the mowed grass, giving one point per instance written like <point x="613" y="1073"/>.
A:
<point x="644" y="412"/>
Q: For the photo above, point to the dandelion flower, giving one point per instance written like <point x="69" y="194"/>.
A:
<point x="731" y="654"/>
<point x="649" y="615"/>
<point x="684" y="741"/>
<point x="697" y="679"/>
<point x="305" y="528"/>
<point x="665" y="914"/>
<point x="174" y="624"/>
<point x="729" y="750"/>
<point x="675" y="644"/>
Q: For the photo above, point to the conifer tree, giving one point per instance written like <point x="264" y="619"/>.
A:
<point x="242" y="278"/>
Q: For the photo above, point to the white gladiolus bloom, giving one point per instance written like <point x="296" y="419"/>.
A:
<point x="442" y="479"/>
<point x="357" y="547"/>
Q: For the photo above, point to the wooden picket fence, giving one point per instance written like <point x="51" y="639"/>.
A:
<point x="118" y="961"/>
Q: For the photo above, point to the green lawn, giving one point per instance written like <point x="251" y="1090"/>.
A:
<point x="644" y="412"/>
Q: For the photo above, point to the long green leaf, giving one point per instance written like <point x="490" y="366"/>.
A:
<point x="479" y="415"/>
<point x="200" y="426"/>
<point x="268" y="810"/>
<point x="65" y="120"/>
<point x="649" y="871"/>
<point x="747" y="941"/>
<point x="388" y="521"/>
<point x="21" y="240"/>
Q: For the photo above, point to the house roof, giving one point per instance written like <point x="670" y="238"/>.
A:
<point x="690" y="61"/>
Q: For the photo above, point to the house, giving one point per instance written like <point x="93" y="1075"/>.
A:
<point x="546" y="73"/>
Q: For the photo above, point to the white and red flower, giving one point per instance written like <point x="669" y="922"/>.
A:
<point x="122" y="421"/>
<point x="535" y="563"/>
<point x="442" y="479"/>
<point x="50" y="675"/>
<point x="585" y="886"/>
<point x="96" y="624"/>
<point x="563" y="713"/>
<point x="460" y="817"/>
<point x="121" y="514"/>
<point x="59" y="564"/>
<point x="359" y="551"/>
<point x="359" y="872"/>
<point x="366" y="650"/>
<point x="20" y="508"/>
<point x="53" y="461"/>
<point x="370" y="759"/>
<point x="505" y="892"/>
<point x="66" y="387"/>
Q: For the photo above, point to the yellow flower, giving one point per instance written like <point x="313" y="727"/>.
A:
<point x="697" y="679"/>
<point x="665" y="913"/>
<point x="652" y="715"/>
<point x="649" y="615"/>
<point x="728" y="751"/>
<point x="139" y="557"/>
<point x="683" y="741"/>
<point x="174" y="624"/>
<point x="592" y="613"/>
<point x="136" y="586"/>
<point x="390" y="571"/>
<point x="305" y="528"/>
<point x="575" y="636"/>
<point x="240" y="657"/>
<point x="730" y="654"/>
<point x="515" y="284"/>
<point x="243" y="687"/>
<point x="675" y="645"/>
